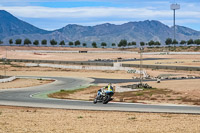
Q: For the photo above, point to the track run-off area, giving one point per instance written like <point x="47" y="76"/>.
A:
<point x="37" y="97"/>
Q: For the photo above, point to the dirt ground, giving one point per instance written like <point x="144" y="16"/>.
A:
<point x="22" y="83"/>
<point x="36" y="120"/>
<point x="10" y="53"/>
<point x="166" y="92"/>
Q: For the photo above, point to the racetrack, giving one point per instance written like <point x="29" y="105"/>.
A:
<point x="26" y="97"/>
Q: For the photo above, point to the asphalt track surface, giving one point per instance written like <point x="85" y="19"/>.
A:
<point x="27" y="97"/>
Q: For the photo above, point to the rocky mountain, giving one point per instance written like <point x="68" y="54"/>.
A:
<point x="13" y="28"/>
<point x="10" y="25"/>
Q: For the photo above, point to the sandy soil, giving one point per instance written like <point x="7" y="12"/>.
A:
<point x="35" y="120"/>
<point x="79" y="57"/>
<point x="22" y="83"/>
<point x="19" y="69"/>
<point x="169" y="62"/>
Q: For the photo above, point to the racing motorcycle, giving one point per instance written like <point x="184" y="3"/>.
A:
<point x="103" y="97"/>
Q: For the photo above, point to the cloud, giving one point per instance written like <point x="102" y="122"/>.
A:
<point x="82" y="12"/>
<point x="95" y="12"/>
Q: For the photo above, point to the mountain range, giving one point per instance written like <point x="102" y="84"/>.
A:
<point x="14" y="28"/>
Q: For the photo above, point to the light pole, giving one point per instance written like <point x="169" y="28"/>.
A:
<point x="141" y="49"/>
<point x="5" y="60"/>
<point x="175" y="7"/>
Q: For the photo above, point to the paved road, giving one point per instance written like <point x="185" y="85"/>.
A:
<point x="23" y="97"/>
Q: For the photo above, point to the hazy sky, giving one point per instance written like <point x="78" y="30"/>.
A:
<point x="54" y="14"/>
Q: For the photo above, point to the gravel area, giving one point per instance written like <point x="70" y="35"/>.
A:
<point x="37" y="120"/>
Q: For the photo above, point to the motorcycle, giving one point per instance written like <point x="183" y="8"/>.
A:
<point x="103" y="97"/>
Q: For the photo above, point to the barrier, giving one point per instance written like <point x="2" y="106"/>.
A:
<point x="9" y="79"/>
<point x="186" y="68"/>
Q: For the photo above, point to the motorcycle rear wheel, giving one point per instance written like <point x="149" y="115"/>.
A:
<point x="107" y="99"/>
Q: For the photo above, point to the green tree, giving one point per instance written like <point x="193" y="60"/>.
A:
<point x="27" y="41"/>
<point x="103" y="44"/>
<point x="122" y="43"/>
<point x="113" y="44"/>
<point x="190" y="42"/>
<point x="129" y="44"/>
<point x="62" y="43"/>
<point x="44" y="42"/>
<point x="168" y="41"/>
<point x="94" y="45"/>
<point x="53" y="42"/>
<point x="157" y="43"/>
<point x="1" y="42"/>
<point x="71" y="43"/>
<point x="150" y="43"/>
<point x="77" y="43"/>
<point x="84" y="44"/>
<point x="36" y="42"/>
<point x="18" y="41"/>
<point x="142" y="43"/>
<point x="174" y="42"/>
<point x="197" y="41"/>
<point x="10" y="41"/>
<point x="183" y="42"/>
<point x="133" y="43"/>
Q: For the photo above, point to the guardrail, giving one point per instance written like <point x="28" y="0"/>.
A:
<point x="186" y="68"/>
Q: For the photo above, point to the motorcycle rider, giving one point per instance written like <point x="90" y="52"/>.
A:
<point x="108" y="88"/>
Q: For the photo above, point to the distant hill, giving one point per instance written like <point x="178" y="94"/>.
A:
<point x="10" y="25"/>
<point x="13" y="28"/>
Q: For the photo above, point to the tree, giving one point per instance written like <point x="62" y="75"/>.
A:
<point x="157" y="43"/>
<point x="190" y="42"/>
<point x="103" y="44"/>
<point x="77" y="43"/>
<point x="183" y="42"/>
<point x="36" y="42"/>
<point x="197" y="41"/>
<point x="18" y="41"/>
<point x="174" y="42"/>
<point x="94" y="45"/>
<point x="62" y="43"/>
<point x="133" y="43"/>
<point x="84" y="44"/>
<point x="1" y="42"/>
<point x="53" y="42"/>
<point x="150" y="43"/>
<point x="10" y="41"/>
<point x="142" y="43"/>
<point x="129" y="44"/>
<point x="122" y="43"/>
<point x="71" y="43"/>
<point x="113" y="44"/>
<point x="44" y="42"/>
<point x="168" y="41"/>
<point x="27" y="41"/>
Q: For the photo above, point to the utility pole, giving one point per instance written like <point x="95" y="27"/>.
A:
<point x="141" y="78"/>
<point x="5" y="60"/>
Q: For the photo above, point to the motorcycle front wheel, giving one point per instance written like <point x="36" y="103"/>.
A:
<point x="95" y="101"/>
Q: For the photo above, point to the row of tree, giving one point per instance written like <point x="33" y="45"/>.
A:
<point x="123" y="43"/>
<point x="169" y="41"/>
